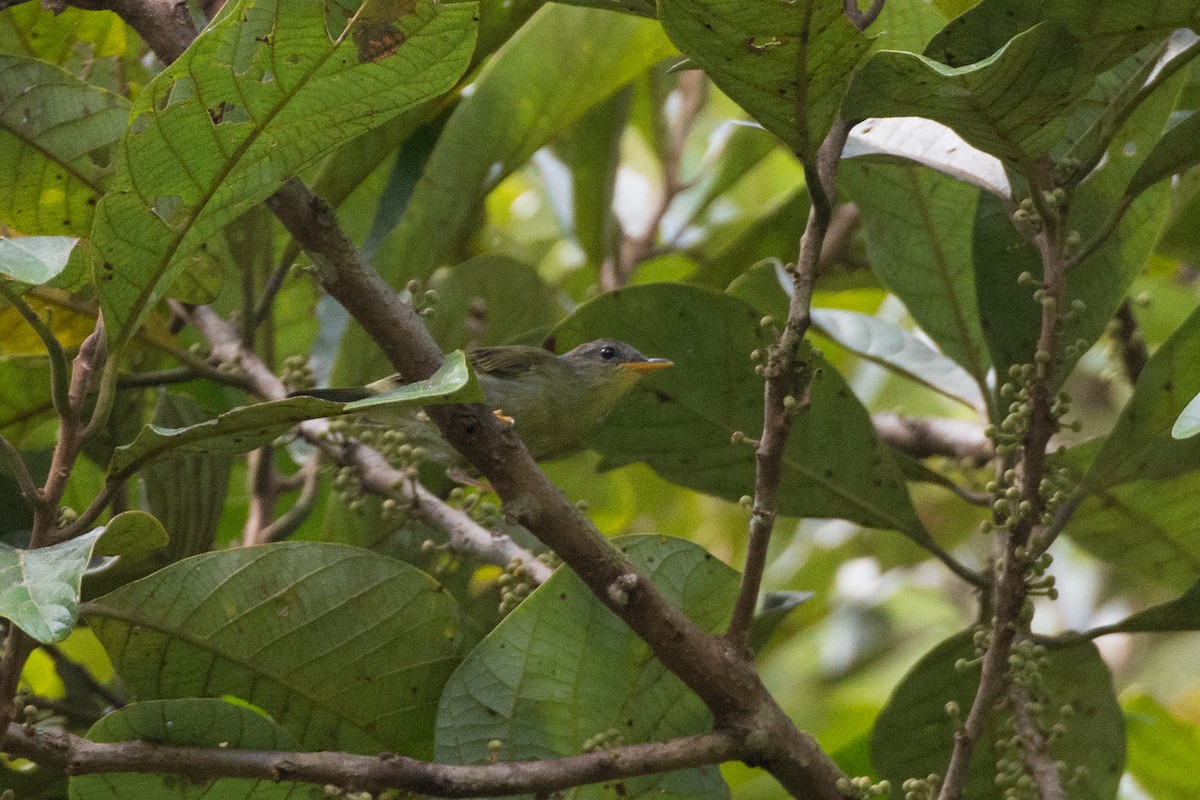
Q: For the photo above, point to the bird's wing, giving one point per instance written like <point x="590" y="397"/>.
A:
<point x="507" y="362"/>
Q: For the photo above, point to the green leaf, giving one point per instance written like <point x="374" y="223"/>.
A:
<point x="489" y="300"/>
<point x="1144" y="529"/>
<point x="920" y="249"/>
<point x="643" y="8"/>
<point x="195" y="723"/>
<point x="131" y="534"/>
<point x="346" y="649"/>
<point x="680" y="421"/>
<point x="1164" y="751"/>
<point x="1140" y="446"/>
<point x="563" y="62"/>
<point x="914" y="734"/>
<point x="1089" y="133"/>
<point x="773" y="58"/>
<point x="895" y="348"/>
<point x="35" y="259"/>
<point x="52" y="127"/>
<point x="1109" y="30"/>
<point x="1178" y="149"/>
<point x="562" y="669"/>
<point x="1180" y="614"/>
<point x="27" y="417"/>
<point x="187" y="492"/>
<point x="40" y="588"/>
<point x="1011" y="317"/>
<point x="1010" y="104"/>
<point x="592" y="150"/>
<point x="246" y="428"/>
<point x="266" y="89"/>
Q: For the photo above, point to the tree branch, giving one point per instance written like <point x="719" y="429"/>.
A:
<point x="74" y="755"/>
<point x="787" y="383"/>
<point x="376" y="474"/>
<point x="1017" y="523"/>
<point x="923" y="437"/>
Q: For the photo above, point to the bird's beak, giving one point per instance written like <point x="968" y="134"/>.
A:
<point x="649" y="365"/>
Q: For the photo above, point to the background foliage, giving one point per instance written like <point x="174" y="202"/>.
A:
<point x="529" y="173"/>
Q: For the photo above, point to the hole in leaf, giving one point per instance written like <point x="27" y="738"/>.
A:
<point x="171" y="210"/>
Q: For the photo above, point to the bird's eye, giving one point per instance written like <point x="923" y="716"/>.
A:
<point x="608" y="353"/>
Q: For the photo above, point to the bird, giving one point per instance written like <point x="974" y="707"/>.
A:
<point x="552" y="400"/>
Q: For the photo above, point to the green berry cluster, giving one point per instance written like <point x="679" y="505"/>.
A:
<point x="425" y="302"/>
<point x="515" y="585"/>
<point x="863" y="788"/>
<point x="348" y="486"/>
<point x="605" y="740"/>
<point x="487" y="513"/>
<point x="922" y="788"/>
<point x="297" y="375"/>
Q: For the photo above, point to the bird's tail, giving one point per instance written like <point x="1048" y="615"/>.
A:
<point x="333" y="395"/>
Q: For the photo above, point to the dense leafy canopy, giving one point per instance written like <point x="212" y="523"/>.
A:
<point x="1010" y="247"/>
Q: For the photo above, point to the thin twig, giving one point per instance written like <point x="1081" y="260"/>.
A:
<point x="862" y="20"/>
<point x="20" y="472"/>
<point x="63" y="663"/>
<point x="786" y="390"/>
<point x="376" y="474"/>
<point x="59" y="369"/>
<point x="167" y="377"/>
<point x="291" y="520"/>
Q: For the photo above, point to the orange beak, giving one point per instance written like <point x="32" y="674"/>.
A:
<point x="650" y="365"/>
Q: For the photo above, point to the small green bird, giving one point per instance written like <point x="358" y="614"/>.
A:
<point x="553" y="400"/>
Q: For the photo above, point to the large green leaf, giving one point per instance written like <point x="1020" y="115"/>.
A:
<point x="346" y="649"/>
<point x="1144" y="529"/>
<point x="680" y="420"/>
<point x="1164" y="750"/>
<point x="52" y="125"/>
<point x="1010" y="104"/>
<point x="914" y="734"/>
<point x="1011" y="317"/>
<point x="1178" y="149"/>
<point x="27" y="416"/>
<point x="39" y="589"/>
<point x="563" y="62"/>
<point x="787" y="64"/>
<point x="1109" y="29"/>
<point x="200" y="722"/>
<point x="187" y="492"/>
<point x="489" y="300"/>
<point x="1180" y="614"/>
<point x="562" y="669"/>
<point x="35" y="259"/>
<point x="266" y="89"/>
<point x="920" y="249"/>
<point x="1140" y="446"/>
<point x="248" y="427"/>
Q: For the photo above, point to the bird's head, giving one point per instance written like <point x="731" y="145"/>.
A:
<point x="609" y="366"/>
